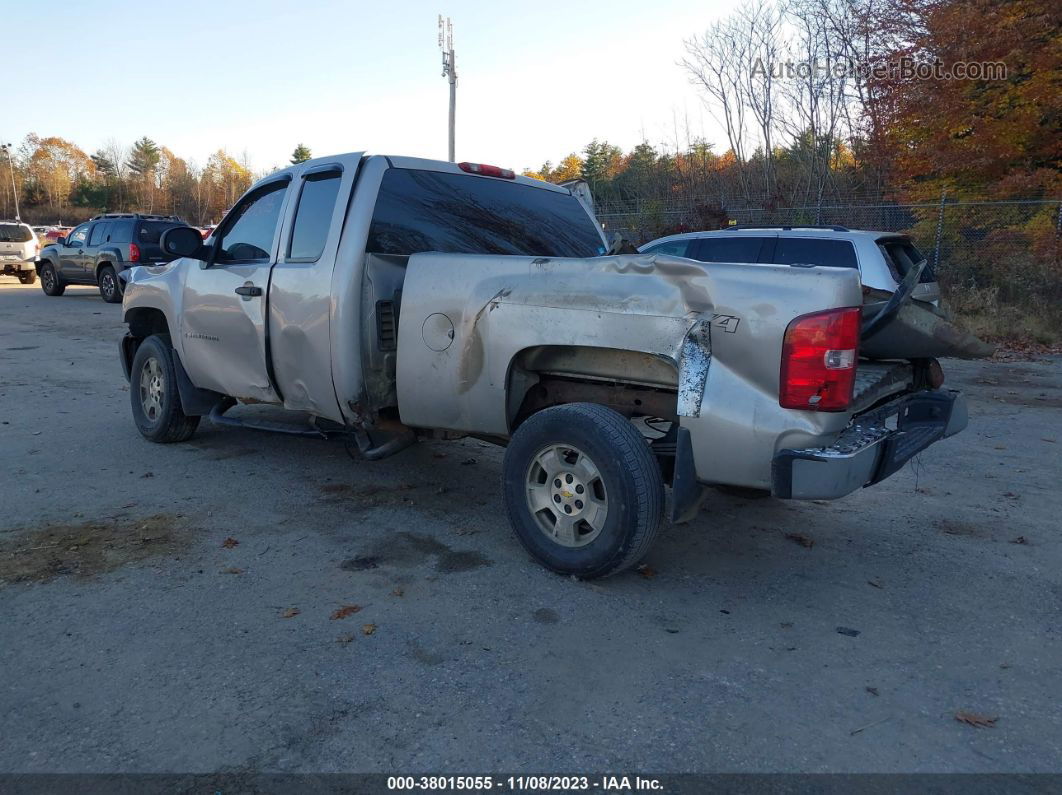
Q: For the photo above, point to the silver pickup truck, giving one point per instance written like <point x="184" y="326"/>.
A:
<point x="388" y="299"/>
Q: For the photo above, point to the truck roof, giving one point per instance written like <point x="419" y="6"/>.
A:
<point x="424" y="164"/>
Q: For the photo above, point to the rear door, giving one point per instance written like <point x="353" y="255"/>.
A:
<point x="97" y="238"/>
<point x="223" y="324"/>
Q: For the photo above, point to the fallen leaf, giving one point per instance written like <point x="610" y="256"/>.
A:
<point x="398" y="592"/>
<point x="347" y="638"/>
<point x="469" y="462"/>
<point x="876" y="583"/>
<point x="975" y="720"/>
<point x="646" y="571"/>
<point x="368" y="629"/>
<point x="872" y="690"/>
<point x="852" y="633"/>
<point x="232" y="570"/>
<point x="290" y="612"/>
<point x="230" y="542"/>
<point x="800" y="538"/>
<point x="345" y="610"/>
<point x="1019" y="540"/>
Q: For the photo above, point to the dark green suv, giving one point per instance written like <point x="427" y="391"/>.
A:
<point x="96" y="251"/>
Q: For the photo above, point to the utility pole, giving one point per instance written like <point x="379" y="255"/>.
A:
<point x="11" y="169"/>
<point x="446" y="44"/>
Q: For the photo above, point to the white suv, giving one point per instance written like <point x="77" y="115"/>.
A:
<point x="882" y="258"/>
<point x="18" y="251"/>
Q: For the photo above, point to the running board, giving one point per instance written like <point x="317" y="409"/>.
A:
<point x="217" y="416"/>
<point x="397" y="437"/>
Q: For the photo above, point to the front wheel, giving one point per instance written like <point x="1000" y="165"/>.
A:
<point x="27" y="277"/>
<point x="584" y="494"/>
<point x="153" y="394"/>
<point x="50" y="280"/>
<point x="109" y="287"/>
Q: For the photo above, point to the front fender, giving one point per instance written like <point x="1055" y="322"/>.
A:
<point x="151" y="291"/>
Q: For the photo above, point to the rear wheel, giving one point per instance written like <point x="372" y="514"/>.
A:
<point x="50" y="282"/>
<point x="153" y="394"/>
<point x="27" y="277"/>
<point x="583" y="492"/>
<point x="109" y="287"/>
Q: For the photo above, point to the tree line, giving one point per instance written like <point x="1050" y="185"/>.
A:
<point x="819" y="102"/>
<point x="56" y="181"/>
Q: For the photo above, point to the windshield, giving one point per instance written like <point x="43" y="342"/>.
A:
<point x="15" y="233"/>
<point x="465" y="214"/>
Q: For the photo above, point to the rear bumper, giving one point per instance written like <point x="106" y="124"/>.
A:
<point x="18" y="265"/>
<point x="870" y="449"/>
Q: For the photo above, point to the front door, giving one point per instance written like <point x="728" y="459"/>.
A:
<point x="70" y="254"/>
<point x="223" y="323"/>
<point x="96" y="238"/>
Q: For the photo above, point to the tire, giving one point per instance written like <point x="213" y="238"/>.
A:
<point x="28" y="277"/>
<point x="153" y="394"/>
<point x="595" y="453"/>
<point x="50" y="281"/>
<point x="110" y="289"/>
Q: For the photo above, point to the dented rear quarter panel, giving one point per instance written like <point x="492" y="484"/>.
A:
<point x="501" y="305"/>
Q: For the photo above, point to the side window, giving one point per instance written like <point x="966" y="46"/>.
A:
<point x="313" y="217"/>
<point x="676" y="248"/>
<point x="98" y="235"/>
<point x="77" y="237"/>
<point x="738" y="248"/>
<point x="249" y="229"/>
<point x="122" y="232"/>
<point x="815" y="251"/>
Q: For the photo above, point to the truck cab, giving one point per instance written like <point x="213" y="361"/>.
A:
<point x="392" y="298"/>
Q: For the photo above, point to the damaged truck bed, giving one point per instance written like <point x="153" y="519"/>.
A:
<point x="443" y="300"/>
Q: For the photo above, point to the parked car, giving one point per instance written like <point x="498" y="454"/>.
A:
<point x="99" y="251"/>
<point x="394" y="298"/>
<point x="18" y="251"/>
<point x="54" y="233"/>
<point x="882" y="258"/>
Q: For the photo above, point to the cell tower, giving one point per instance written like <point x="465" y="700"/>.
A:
<point x="446" y="44"/>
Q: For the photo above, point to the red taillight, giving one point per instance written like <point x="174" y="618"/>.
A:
<point x="819" y="360"/>
<point x="134" y="252"/>
<point x="486" y="171"/>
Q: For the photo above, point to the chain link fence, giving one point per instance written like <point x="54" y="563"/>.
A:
<point x="999" y="262"/>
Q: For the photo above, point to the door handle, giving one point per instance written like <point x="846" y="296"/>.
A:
<point x="248" y="290"/>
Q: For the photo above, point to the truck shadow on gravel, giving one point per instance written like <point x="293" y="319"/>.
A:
<point x="87" y="549"/>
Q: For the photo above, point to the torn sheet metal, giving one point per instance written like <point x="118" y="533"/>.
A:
<point x="694" y="360"/>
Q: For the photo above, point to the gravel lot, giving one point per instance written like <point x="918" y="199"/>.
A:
<point x="135" y="636"/>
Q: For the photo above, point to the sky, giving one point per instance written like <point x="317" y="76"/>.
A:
<point x="536" y="81"/>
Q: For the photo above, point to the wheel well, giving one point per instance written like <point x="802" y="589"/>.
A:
<point x="145" y="321"/>
<point x="101" y="265"/>
<point x="633" y="383"/>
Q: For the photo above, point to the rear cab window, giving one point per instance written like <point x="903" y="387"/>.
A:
<point x="815" y="251"/>
<point x="419" y="210"/>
